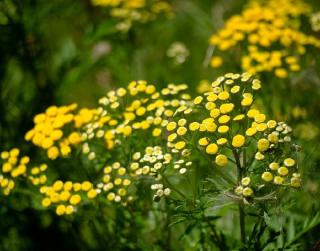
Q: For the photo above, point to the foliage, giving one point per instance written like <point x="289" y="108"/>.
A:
<point x="152" y="165"/>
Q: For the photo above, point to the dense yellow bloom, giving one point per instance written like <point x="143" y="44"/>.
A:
<point x="127" y="12"/>
<point x="222" y="124"/>
<point x="271" y="37"/>
<point x="225" y="125"/>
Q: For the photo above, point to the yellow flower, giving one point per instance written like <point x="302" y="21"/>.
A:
<point x="235" y="89"/>
<point x="295" y="182"/>
<point x="259" y="118"/>
<point x="224" y="119"/>
<point x="247" y="192"/>
<point x="239" y="117"/>
<point x="247" y="101"/>
<point x="86" y="185"/>
<point x="267" y="176"/>
<point x="226" y="108"/>
<point x="239" y="190"/>
<point x="156" y="132"/>
<point x="251" y="131"/>
<point x="222" y="141"/>
<point x="223" y="95"/>
<point x="180" y="145"/>
<point x="281" y="73"/>
<point x="271" y="124"/>
<point x="238" y="141"/>
<point x="273" y="138"/>
<point x="111" y="196"/>
<point x="172" y="137"/>
<point x="74" y="138"/>
<point x="278" y="180"/>
<point x="283" y="171"/>
<point x="274" y="166"/>
<point x="223" y="129"/>
<point x="53" y="152"/>
<point x="212" y="148"/>
<point x="245" y="181"/>
<point x="92" y="194"/>
<point x="203" y="141"/>
<point x="46" y="202"/>
<point x="69" y="209"/>
<point x="181" y="131"/>
<point x="75" y="199"/>
<point x="221" y="160"/>
<point x="60" y="210"/>
<point x="171" y="126"/>
<point x="194" y="126"/>
<point x="289" y="162"/>
<point x="216" y="62"/>
<point x="198" y="100"/>
<point x="263" y="145"/>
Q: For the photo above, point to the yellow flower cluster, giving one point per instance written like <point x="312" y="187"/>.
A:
<point x="116" y="182"/>
<point x="65" y="196"/>
<point x="151" y="162"/>
<point x="125" y="112"/>
<point x="270" y="36"/>
<point x="244" y="189"/>
<point x="158" y="164"/>
<point x="50" y="132"/>
<point x="140" y="107"/>
<point x="129" y="12"/>
<point x="37" y="175"/>
<point x="224" y="124"/>
<point x="12" y="167"/>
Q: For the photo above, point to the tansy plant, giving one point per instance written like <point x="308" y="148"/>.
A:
<point x="267" y="36"/>
<point x="140" y="135"/>
<point x="128" y="12"/>
<point x="103" y="142"/>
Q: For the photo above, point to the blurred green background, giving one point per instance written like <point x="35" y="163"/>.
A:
<point x="60" y="52"/>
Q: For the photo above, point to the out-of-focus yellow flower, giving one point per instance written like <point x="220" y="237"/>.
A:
<point x="270" y="36"/>
<point x="128" y="12"/>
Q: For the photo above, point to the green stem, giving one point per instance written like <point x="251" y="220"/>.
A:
<point x="240" y="169"/>
<point x="174" y="189"/>
<point x="242" y="224"/>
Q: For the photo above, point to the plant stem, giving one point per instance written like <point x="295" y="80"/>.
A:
<point x="240" y="169"/>
<point x="174" y="189"/>
<point x="242" y="224"/>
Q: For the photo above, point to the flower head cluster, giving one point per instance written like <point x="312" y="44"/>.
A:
<point x="65" y="196"/>
<point x="128" y="12"/>
<point x="221" y="125"/>
<point x="270" y="36"/>
<point x="315" y="21"/>
<point x="157" y="163"/>
<point x="15" y="168"/>
<point x="127" y="112"/>
<point x="122" y="115"/>
<point x="37" y="174"/>
<point x="178" y="52"/>
<point x="12" y="167"/>
<point x="229" y="131"/>
<point x="51" y="130"/>
<point x="116" y="182"/>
